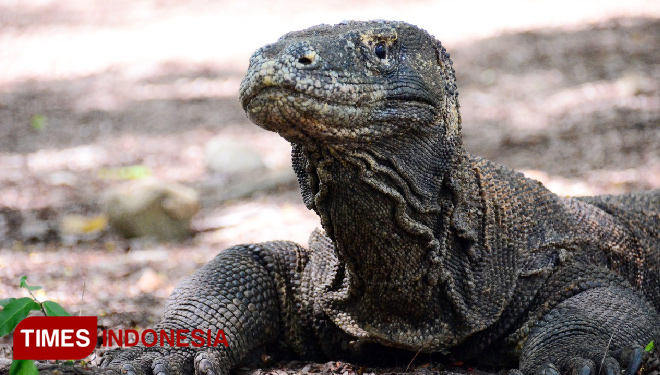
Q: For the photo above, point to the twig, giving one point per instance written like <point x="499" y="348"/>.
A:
<point x="41" y="305"/>
<point x="416" y="354"/>
<point x="610" y="342"/>
<point x="82" y="297"/>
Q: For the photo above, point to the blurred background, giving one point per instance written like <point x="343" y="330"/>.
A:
<point x="117" y="110"/>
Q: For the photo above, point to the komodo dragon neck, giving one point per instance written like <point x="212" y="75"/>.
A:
<point x="389" y="212"/>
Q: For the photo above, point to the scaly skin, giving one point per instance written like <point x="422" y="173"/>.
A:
<point x="425" y="246"/>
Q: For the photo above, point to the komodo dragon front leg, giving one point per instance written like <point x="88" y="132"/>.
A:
<point x="245" y="291"/>
<point x="597" y="331"/>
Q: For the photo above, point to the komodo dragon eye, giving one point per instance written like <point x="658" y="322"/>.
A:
<point x="380" y="50"/>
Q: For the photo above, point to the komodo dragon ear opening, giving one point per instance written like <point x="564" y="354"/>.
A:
<point x="300" y="165"/>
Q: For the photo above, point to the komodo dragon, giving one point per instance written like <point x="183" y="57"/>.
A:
<point x="424" y="247"/>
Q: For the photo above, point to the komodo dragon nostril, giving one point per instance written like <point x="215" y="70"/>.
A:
<point x="307" y="58"/>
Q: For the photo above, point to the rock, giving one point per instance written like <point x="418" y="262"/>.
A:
<point x="226" y="156"/>
<point x="39" y="226"/>
<point x="34" y="229"/>
<point x="151" y="208"/>
<point x="149" y="281"/>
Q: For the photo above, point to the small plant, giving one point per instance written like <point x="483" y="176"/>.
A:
<point x="16" y="309"/>
<point x="650" y="347"/>
<point x="131" y="172"/>
<point x="39" y="122"/>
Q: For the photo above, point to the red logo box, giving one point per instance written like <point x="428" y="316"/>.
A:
<point x="55" y="337"/>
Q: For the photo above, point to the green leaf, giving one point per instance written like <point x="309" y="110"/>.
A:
<point x="39" y="122"/>
<point x="54" y="309"/>
<point x="131" y="172"/>
<point x="23" y="367"/>
<point x="650" y="347"/>
<point x="14" y="312"/>
<point x="5" y="301"/>
<point x="25" y="285"/>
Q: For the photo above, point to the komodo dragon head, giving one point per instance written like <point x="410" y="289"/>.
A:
<point x="351" y="83"/>
<point x="356" y="86"/>
<point x="371" y="110"/>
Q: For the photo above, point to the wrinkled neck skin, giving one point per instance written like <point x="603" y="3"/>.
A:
<point x="397" y="212"/>
<point x="383" y="207"/>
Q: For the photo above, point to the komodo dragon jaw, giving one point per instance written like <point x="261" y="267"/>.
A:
<point x="355" y="86"/>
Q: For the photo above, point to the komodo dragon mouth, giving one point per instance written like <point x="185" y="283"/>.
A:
<point x="295" y="115"/>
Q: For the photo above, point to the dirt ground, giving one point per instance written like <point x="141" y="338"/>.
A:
<point x="569" y="97"/>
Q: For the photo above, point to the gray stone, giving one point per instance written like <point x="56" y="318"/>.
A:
<point x="227" y="156"/>
<point x="34" y="229"/>
<point x="151" y="208"/>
